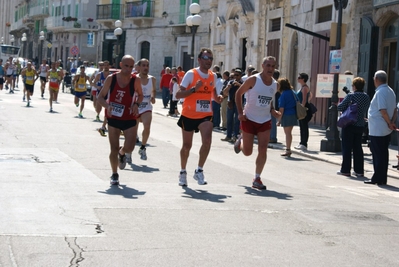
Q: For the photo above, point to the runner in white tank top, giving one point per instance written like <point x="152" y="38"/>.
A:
<point x="44" y="68"/>
<point x="146" y="105"/>
<point x="259" y="100"/>
<point x="256" y="117"/>
<point x="148" y="83"/>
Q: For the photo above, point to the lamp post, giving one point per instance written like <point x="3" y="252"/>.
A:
<point x="193" y="21"/>
<point x="2" y="40"/>
<point x="12" y="39"/>
<point x="332" y="142"/>
<point x="118" y="32"/>
<point x="41" y="38"/>
<point x="23" y="39"/>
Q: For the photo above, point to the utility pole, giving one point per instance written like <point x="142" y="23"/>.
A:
<point x="332" y="142"/>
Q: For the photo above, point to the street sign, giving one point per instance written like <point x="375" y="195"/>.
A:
<point x="324" y="86"/>
<point x="74" y="50"/>
<point x="335" y="61"/>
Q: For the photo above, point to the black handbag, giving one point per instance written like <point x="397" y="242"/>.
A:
<point x="312" y="108"/>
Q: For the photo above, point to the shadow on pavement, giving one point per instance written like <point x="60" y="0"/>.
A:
<point x="124" y="191"/>
<point x="389" y="187"/>
<point x="142" y="168"/>
<point x="266" y="193"/>
<point x="203" y="195"/>
<point x="291" y="158"/>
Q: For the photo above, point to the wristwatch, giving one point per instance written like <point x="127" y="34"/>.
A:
<point x="192" y="90"/>
<point x="136" y="103"/>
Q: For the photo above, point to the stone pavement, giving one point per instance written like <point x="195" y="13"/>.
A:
<point x="316" y="134"/>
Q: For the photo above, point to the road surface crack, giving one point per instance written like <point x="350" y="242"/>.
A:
<point x="77" y="251"/>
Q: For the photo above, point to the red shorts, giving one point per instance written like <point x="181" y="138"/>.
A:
<point x="94" y="93"/>
<point x="254" y="127"/>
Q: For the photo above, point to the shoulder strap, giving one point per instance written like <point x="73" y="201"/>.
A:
<point x="295" y="96"/>
<point x="113" y="82"/>
<point x="131" y="84"/>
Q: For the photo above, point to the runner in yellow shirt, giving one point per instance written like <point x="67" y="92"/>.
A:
<point x="54" y="78"/>
<point x="80" y="89"/>
<point x="30" y="76"/>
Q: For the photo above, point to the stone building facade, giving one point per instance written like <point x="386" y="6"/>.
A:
<point x="155" y="30"/>
<point x="5" y="20"/>
<point x="244" y="31"/>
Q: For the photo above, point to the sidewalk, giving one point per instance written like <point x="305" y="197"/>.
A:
<point x="316" y="134"/>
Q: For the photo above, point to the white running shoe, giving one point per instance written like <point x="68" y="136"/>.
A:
<point x="143" y="154"/>
<point x="128" y="158"/>
<point x="199" y="177"/>
<point x="301" y="147"/>
<point x="183" y="179"/>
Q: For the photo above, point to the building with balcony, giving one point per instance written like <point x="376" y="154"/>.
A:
<point x="5" y="21"/>
<point x="73" y="25"/>
<point x="65" y="23"/>
<point x="151" y="29"/>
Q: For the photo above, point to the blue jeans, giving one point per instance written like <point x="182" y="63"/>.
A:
<point x="216" y="114"/>
<point x="352" y="142"/>
<point x="273" y="132"/>
<point x="232" y="122"/>
<point x="165" y="96"/>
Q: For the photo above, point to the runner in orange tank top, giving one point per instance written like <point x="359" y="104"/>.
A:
<point x="197" y="88"/>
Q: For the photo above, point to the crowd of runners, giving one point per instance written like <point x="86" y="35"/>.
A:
<point x="127" y="97"/>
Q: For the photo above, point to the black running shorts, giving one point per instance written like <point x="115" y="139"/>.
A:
<point x="190" y="125"/>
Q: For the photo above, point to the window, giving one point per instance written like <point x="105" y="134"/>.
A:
<point x="145" y="50"/>
<point x="324" y="14"/>
<point x="391" y="30"/>
<point x="275" y="25"/>
<point x="185" y="9"/>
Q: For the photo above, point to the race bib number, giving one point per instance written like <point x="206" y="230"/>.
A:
<point x="29" y="78"/>
<point x="81" y="86"/>
<point x="117" y="109"/>
<point x="54" y="80"/>
<point x="263" y="101"/>
<point x="143" y="105"/>
<point x="203" y="106"/>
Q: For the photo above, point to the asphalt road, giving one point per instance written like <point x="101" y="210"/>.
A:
<point x="58" y="209"/>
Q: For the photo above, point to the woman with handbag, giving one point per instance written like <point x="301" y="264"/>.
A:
<point x="352" y="133"/>
<point x="287" y="108"/>
<point x="304" y="96"/>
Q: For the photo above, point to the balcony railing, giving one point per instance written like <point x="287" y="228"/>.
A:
<point x="55" y="22"/>
<point x="39" y="11"/>
<point x="176" y="19"/>
<point x="139" y="9"/>
<point x="18" y="25"/>
<point x="108" y="12"/>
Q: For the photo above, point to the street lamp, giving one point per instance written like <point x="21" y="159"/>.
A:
<point x="193" y="21"/>
<point x="2" y="40"/>
<point x="118" y="32"/>
<point x="23" y="39"/>
<point x="41" y="38"/>
<point x="332" y="142"/>
<point x="12" y="39"/>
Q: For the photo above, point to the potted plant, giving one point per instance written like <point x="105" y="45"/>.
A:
<point x="8" y="24"/>
<point x="74" y="19"/>
<point x="77" y="25"/>
<point x="90" y="20"/>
